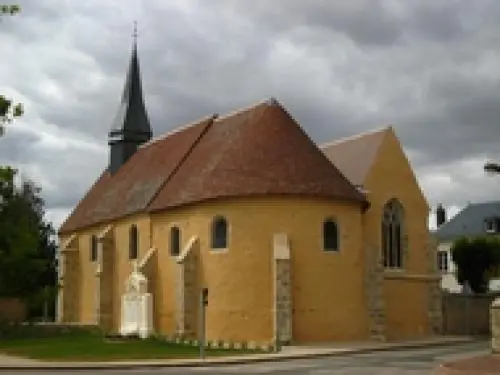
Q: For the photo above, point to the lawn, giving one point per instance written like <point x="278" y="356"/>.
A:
<point x="92" y="347"/>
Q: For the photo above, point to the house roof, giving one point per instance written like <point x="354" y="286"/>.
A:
<point x="261" y="150"/>
<point x="354" y="156"/>
<point x="469" y="221"/>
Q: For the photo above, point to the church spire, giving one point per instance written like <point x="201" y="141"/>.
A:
<point x="131" y="125"/>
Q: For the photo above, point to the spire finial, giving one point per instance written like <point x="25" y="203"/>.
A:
<point x="134" y="34"/>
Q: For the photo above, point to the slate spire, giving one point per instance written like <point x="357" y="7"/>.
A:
<point x="130" y="127"/>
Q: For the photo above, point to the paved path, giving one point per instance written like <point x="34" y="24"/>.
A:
<point x="401" y="362"/>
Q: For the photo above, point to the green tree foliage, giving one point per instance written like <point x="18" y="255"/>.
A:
<point x="8" y="109"/>
<point x="9" y="9"/>
<point x="476" y="260"/>
<point x="27" y="247"/>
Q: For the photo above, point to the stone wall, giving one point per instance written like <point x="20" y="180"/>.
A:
<point x="70" y="282"/>
<point x="282" y="271"/>
<point x="106" y="285"/>
<point x="434" y="290"/>
<point x="187" y="293"/>
<point x="374" y="279"/>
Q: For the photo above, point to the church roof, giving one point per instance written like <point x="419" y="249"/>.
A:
<point x="257" y="151"/>
<point x="355" y="155"/>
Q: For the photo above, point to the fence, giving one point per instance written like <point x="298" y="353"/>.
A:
<point x="12" y="309"/>
<point x="467" y="314"/>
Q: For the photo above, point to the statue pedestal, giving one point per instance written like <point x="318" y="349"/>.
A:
<point x="137" y="307"/>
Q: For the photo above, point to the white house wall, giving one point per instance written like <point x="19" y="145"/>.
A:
<point x="448" y="279"/>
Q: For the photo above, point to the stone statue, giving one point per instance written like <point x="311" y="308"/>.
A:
<point x="137" y="306"/>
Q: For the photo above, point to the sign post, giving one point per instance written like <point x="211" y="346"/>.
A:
<point x="203" y="304"/>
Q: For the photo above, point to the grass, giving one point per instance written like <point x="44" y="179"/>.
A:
<point x="92" y="347"/>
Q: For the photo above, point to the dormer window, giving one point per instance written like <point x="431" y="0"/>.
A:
<point x="492" y="225"/>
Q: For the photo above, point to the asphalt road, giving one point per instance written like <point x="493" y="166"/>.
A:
<point x="402" y="362"/>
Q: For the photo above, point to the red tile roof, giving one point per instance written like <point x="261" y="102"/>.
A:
<point x="253" y="152"/>
<point x="137" y="182"/>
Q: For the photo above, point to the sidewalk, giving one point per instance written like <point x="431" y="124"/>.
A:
<point x="288" y="353"/>
<point x="483" y="365"/>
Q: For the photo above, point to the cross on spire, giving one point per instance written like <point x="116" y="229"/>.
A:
<point x="134" y="34"/>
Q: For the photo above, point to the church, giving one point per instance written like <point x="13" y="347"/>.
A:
<point x="286" y="239"/>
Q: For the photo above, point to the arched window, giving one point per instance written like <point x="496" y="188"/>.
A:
<point x="175" y="241"/>
<point x="392" y="234"/>
<point x="133" y="242"/>
<point x="93" y="248"/>
<point x="330" y="235"/>
<point x="219" y="233"/>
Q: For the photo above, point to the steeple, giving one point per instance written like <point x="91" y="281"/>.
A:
<point x="130" y="127"/>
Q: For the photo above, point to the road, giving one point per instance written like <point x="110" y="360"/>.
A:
<point x="402" y="362"/>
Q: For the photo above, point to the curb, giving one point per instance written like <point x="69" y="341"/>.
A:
<point x="228" y="360"/>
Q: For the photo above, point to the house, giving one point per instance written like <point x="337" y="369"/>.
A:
<point x="286" y="238"/>
<point x="476" y="219"/>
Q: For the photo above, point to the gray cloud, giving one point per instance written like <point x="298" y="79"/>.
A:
<point x="430" y="68"/>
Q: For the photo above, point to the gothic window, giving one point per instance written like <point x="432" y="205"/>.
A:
<point x="93" y="248"/>
<point x="175" y="241"/>
<point x="133" y="242"/>
<point x="330" y="235"/>
<point x="219" y="233"/>
<point x="392" y="234"/>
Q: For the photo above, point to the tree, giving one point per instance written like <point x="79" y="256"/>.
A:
<point x="8" y="109"/>
<point x="27" y="247"/>
<point x="476" y="260"/>
<point x="9" y="9"/>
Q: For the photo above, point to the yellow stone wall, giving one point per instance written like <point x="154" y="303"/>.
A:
<point x="240" y="278"/>
<point x="329" y="296"/>
<point x="87" y="284"/>
<point x="405" y="291"/>
<point x="123" y="266"/>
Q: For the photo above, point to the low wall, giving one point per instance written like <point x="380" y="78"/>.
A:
<point x="467" y="314"/>
<point x="12" y="309"/>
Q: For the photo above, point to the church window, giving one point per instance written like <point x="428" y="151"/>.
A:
<point x="330" y="235"/>
<point x="175" y="241"/>
<point x="392" y="234"/>
<point x="133" y="242"/>
<point x="93" y="248"/>
<point x="219" y="233"/>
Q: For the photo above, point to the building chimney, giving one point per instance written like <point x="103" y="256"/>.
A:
<point x="440" y="215"/>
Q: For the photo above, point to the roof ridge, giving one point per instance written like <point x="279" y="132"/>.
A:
<point x="211" y="121"/>
<point x="179" y="129"/>
<point x="454" y="218"/>
<point x="483" y="203"/>
<point x="270" y="101"/>
<point x="355" y="136"/>
<point x="214" y="117"/>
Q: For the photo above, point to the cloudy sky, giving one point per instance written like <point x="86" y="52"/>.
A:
<point x="429" y="67"/>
